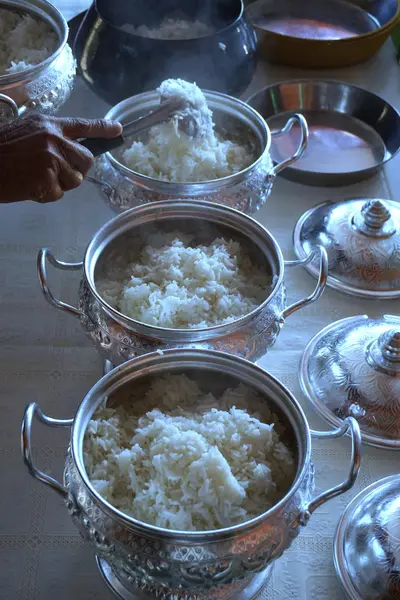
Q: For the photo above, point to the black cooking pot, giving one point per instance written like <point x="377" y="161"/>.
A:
<point x="117" y="63"/>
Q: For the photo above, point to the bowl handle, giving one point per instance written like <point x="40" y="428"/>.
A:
<point x="33" y="410"/>
<point x="105" y="187"/>
<point x="296" y="118"/>
<point x="319" y="288"/>
<point x="349" y="424"/>
<point x="46" y="255"/>
<point x="12" y="105"/>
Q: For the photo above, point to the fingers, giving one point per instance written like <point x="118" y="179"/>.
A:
<point x="39" y="159"/>
<point x="69" y="178"/>
<point x="93" y="128"/>
<point x="49" y="190"/>
<point x="59" y="177"/>
<point x="78" y="157"/>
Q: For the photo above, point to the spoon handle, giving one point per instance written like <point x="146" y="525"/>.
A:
<point x="164" y="112"/>
<point x="98" y="146"/>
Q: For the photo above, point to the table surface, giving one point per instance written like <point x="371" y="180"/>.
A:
<point x="44" y="357"/>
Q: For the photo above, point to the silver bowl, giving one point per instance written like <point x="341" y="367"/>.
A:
<point x="44" y="87"/>
<point x="119" y="338"/>
<point x="353" y="133"/>
<point x="247" y="190"/>
<point x="146" y="562"/>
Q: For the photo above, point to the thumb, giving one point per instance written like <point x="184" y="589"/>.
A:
<point x="90" y="128"/>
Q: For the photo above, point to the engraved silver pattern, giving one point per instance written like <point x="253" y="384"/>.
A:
<point x="181" y="565"/>
<point x="352" y="368"/>
<point x="246" y="191"/>
<point x="122" y="193"/>
<point x="46" y="87"/>
<point x="118" y="344"/>
<point x="367" y="543"/>
<point x="119" y="338"/>
<point x="185" y="571"/>
<point x="362" y="238"/>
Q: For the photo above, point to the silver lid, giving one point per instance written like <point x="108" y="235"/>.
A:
<point x="352" y="368"/>
<point x="362" y="239"/>
<point x="367" y="543"/>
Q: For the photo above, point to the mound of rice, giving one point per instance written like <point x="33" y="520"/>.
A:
<point x="24" y="41"/>
<point x="171" y="155"/>
<point x="180" y="286"/>
<point x="189" y="466"/>
<point x="172" y="29"/>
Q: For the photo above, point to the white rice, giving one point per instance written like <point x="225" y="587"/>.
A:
<point x="24" y="41"/>
<point x="171" y="155"/>
<point x="172" y="29"/>
<point x="182" y="286"/>
<point x="188" y="465"/>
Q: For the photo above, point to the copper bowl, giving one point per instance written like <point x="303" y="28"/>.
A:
<point x="322" y="34"/>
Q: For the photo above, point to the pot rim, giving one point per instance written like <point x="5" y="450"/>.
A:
<point x="206" y="37"/>
<point x="36" y="9"/>
<point x="143" y="365"/>
<point x="151" y="210"/>
<point x="333" y="43"/>
<point x="191" y="187"/>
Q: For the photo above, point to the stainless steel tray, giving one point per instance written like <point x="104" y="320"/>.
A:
<point x="352" y="132"/>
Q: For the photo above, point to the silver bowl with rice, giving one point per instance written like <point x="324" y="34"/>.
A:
<point x="37" y="68"/>
<point x="144" y="561"/>
<point x="246" y="190"/>
<point x="119" y="337"/>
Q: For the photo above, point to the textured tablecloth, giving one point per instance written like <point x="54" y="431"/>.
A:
<point x="45" y="357"/>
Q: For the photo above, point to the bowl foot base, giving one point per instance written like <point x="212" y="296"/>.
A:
<point x="250" y="592"/>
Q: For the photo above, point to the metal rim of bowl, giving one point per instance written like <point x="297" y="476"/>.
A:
<point x="143" y="365"/>
<point x="390" y="25"/>
<point x="36" y="10"/>
<point x="206" y="37"/>
<point x="319" y="407"/>
<point x="228" y="180"/>
<point x="333" y="282"/>
<point x="305" y="176"/>
<point x="92" y="256"/>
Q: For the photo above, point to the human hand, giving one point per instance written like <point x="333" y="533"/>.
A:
<point x="40" y="157"/>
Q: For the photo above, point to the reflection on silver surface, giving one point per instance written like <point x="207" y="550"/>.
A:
<point x="202" y="565"/>
<point x="352" y="132"/>
<point x="119" y="338"/>
<point x="246" y="190"/>
<point x="322" y="20"/>
<point x="250" y="592"/>
<point x="362" y="239"/>
<point x="367" y="543"/>
<point x="352" y="368"/>
<point x="44" y="87"/>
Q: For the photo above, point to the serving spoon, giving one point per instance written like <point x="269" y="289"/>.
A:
<point x="167" y="109"/>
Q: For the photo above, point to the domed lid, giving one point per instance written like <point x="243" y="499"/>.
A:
<point x="362" y="239"/>
<point x="352" y="368"/>
<point x="367" y="543"/>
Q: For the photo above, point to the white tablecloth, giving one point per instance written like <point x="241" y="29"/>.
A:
<point x="45" y="357"/>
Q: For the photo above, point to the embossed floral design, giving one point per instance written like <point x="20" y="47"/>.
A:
<point x="169" y="569"/>
<point x="121" y="193"/>
<point x="49" y="91"/>
<point x="118" y="344"/>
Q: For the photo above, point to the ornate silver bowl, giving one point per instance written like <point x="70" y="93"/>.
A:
<point x="144" y="561"/>
<point x="246" y="191"/>
<point x="44" y="87"/>
<point x="119" y="338"/>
